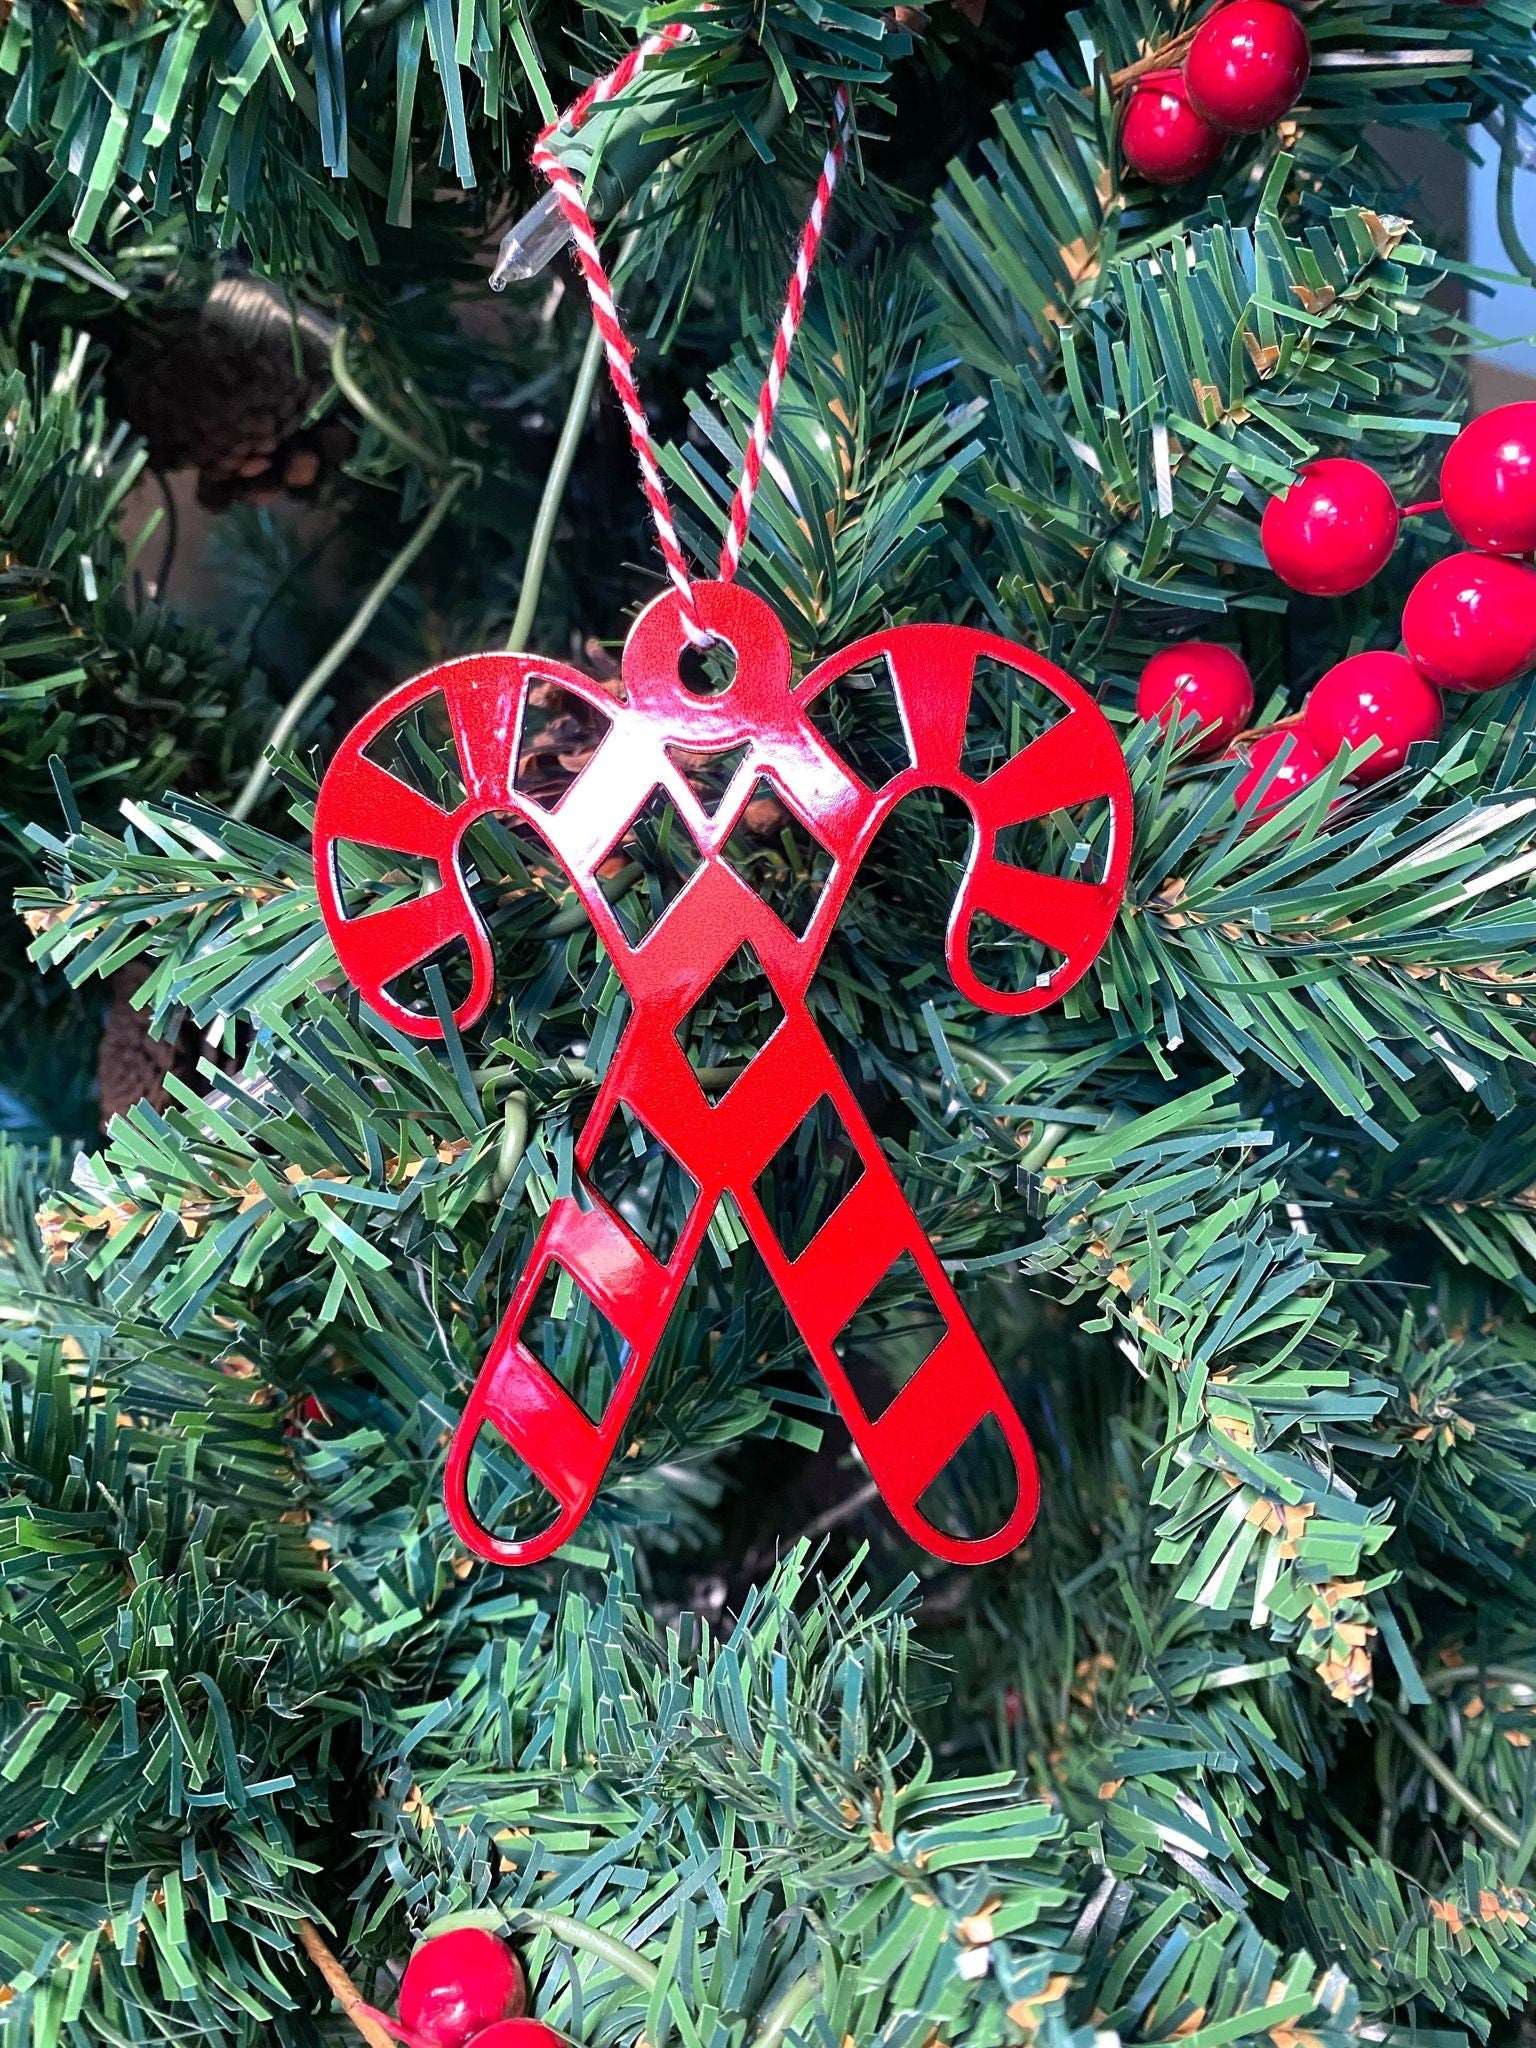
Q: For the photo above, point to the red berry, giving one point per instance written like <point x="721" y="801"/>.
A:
<point x="1333" y="530"/>
<point x="1488" y="481"/>
<point x="519" y="2034"/>
<point x="1470" y="622"/>
<point x="1198" y="679"/>
<point x="1247" y="65"/>
<point x="1299" y="763"/>
<point x="1162" y="136"/>
<point x="1377" y="696"/>
<point x="457" y="1984"/>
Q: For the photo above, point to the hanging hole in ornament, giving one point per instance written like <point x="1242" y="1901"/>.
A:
<point x="566" y="1331"/>
<point x="506" y="1496"/>
<point x="708" y="671"/>
<point x="978" y="1488"/>
<point x="889" y="1339"/>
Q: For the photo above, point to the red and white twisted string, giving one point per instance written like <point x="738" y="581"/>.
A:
<point x="619" y="350"/>
<point x="784" y="341"/>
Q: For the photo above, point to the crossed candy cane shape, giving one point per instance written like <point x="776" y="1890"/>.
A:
<point x="725" y="1146"/>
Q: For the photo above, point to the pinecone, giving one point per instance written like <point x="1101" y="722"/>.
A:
<point x="131" y="1066"/>
<point x="223" y="388"/>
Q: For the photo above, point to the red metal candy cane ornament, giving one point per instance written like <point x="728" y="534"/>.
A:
<point x="726" y="1145"/>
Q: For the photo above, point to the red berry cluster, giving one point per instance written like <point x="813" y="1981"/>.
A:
<point x="1245" y="67"/>
<point x="466" y="1990"/>
<point x="1469" y="622"/>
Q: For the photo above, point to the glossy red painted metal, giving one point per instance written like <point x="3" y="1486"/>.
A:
<point x="726" y="1145"/>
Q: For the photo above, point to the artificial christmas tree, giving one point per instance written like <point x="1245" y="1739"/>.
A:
<point x="1236" y="1747"/>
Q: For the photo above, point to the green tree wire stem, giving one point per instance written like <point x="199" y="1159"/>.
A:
<point x="1481" y="1816"/>
<point x="293" y="711"/>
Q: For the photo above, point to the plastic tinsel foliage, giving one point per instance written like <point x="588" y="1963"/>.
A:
<point x="1238" y="1748"/>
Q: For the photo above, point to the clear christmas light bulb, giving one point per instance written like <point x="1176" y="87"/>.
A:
<point x="532" y="242"/>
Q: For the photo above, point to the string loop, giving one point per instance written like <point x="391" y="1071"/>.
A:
<point x="619" y="350"/>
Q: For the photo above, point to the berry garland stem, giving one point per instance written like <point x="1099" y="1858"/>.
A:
<point x="591" y="1940"/>
<point x="368" y="2023"/>
<point x="1167" y="56"/>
